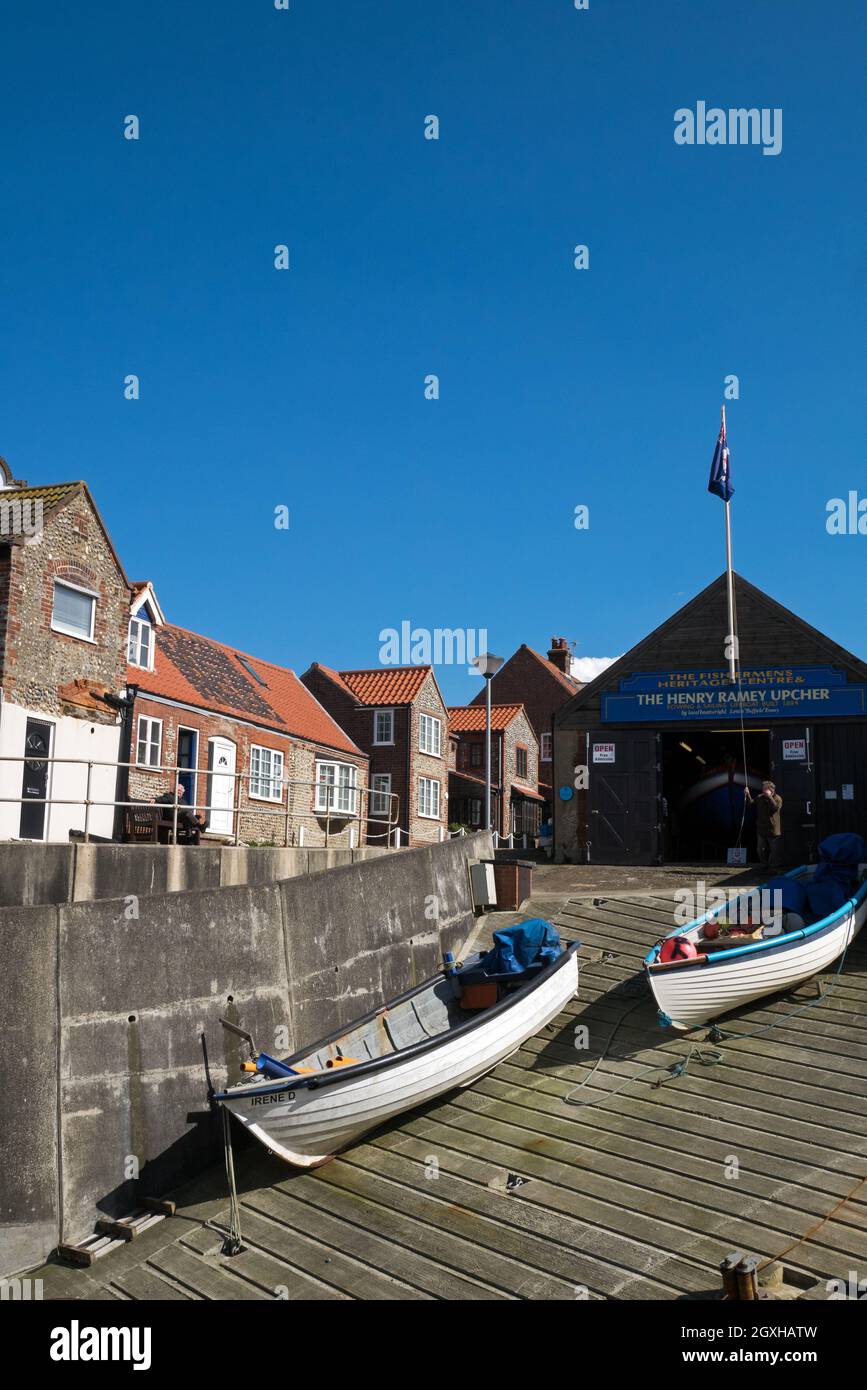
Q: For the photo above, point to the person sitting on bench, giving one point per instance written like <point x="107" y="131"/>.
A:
<point x="190" y="825"/>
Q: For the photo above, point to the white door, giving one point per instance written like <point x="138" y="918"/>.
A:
<point x="221" y="785"/>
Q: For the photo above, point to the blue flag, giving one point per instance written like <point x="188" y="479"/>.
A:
<point x="720" y="473"/>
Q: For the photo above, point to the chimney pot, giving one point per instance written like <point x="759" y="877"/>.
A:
<point x="559" y="655"/>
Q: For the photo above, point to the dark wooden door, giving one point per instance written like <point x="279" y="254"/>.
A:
<point x="793" y="772"/>
<point x="34" y="782"/>
<point x="841" y="785"/>
<point x="623" y="800"/>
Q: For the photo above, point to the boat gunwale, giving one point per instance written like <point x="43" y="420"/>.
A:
<point x="332" y="1078"/>
<point x="653" y="965"/>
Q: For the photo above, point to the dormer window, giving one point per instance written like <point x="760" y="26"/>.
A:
<point x="140" y="646"/>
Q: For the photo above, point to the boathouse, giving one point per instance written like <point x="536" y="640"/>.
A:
<point x="651" y="759"/>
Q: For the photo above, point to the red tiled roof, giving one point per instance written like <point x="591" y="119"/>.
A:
<point x="466" y="719"/>
<point x="209" y="675"/>
<point x="568" y="681"/>
<point x="518" y="790"/>
<point x="383" y="685"/>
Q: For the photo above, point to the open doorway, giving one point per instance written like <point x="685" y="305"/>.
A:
<point x="703" y="779"/>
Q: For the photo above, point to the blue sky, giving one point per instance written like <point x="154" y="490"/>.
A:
<point x="558" y="387"/>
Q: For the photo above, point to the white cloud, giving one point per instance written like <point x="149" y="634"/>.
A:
<point x="587" y="668"/>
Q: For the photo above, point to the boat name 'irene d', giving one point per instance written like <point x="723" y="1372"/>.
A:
<point x="445" y="1033"/>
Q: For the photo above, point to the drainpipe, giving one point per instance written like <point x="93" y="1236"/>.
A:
<point x="125" y="704"/>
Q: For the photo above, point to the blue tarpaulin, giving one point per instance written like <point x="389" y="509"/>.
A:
<point x="834" y="880"/>
<point x="793" y="895"/>
<point x="845" y="849"/>
<point x="519" y="948"/>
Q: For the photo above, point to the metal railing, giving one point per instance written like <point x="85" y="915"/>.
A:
<point x="283" y="807"/>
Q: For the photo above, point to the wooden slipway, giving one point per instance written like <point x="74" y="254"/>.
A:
<point x="626" y="1198"/>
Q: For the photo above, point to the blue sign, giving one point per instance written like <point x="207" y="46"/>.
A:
<point x="751" y="677"/>
<point x="767" y="692"/>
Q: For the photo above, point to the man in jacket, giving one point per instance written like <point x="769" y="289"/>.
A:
<point x="768" y="831"/>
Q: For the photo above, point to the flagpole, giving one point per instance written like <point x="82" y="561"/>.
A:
<point x="730" y="586"/>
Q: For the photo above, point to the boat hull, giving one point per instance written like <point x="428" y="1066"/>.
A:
<point x="307" y="1125"/>
<point x="694" y="994"/>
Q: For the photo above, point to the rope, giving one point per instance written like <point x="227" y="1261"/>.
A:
<point x="706" y="1058"/>
<point x="717" y="1034"/>
<point x="232" y="1243"/>
<point x="773" y="1259"/>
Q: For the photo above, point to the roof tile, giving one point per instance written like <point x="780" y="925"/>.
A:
<point x="464" y="719"/>
<point x="383" y="685"/>
<point x="210" y="676"/>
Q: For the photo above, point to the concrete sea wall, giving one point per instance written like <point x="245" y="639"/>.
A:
<point x="111" y="1006"/>
<point x="31" y="874"/>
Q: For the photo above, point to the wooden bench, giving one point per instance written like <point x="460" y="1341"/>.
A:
<point x="147" y="823"/>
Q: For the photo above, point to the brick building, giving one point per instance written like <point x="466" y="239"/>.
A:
<point x="261" y="757"/>
<point x="516" y="802"/>
<point x="64" y="613"/>
<point x="542" y="685"/>
<point x="398" y="716"/>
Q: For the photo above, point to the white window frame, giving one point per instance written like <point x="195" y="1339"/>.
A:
<point x="269" y="783"/>
<point x="381" y="714"/>
<point x="428" y="782"/>
<point x="62" y="627"/>
<point x="436" y="728"/>
<point x="545" y="742"/>
<point x="322" y="802"/>
<point x="475" y="810"/>
<point x="379" y="800"/>
<point x="135" y="660"/>
<point x="150" y="720"/>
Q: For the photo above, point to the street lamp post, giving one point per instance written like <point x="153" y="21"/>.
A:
<point x="487" y="665"/>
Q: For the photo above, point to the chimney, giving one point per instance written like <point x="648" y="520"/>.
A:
<point x="560" y="655"/>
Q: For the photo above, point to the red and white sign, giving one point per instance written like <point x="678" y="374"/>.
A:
<point x="794" y="750"/>
<point x="603" y="752"/>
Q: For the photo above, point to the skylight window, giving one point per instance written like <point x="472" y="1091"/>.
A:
<point x="250" y="670"/>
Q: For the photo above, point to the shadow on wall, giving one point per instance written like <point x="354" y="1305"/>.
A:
<point x="110" y="1000"/>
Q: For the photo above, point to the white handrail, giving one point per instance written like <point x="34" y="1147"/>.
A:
<point x="284" y="807"/>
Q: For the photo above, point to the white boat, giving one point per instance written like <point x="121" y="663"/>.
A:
<point x="407" y="1052"/>
<point x="725" y="973"/>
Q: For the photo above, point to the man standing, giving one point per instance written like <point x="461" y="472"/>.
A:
<point x="768" y="835"/>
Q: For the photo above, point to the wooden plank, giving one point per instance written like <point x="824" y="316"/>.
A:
<point x="779" y="1084"/>
<point x="704" y="1236"/>
<point x="454" y="1235"/>
<point x="596" y="1137"/>
<point x="334" y="1222"/>
<point x="145" y="1285"/>
<point x="276" y="1277"/>
<point x="275" y="1234"/>
<point x="615" y="1265"/>
<point x="203" y="1279"/>
<point x="696" y="1206"/>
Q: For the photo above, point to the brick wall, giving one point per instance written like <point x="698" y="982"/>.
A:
<point x="402" y="759"/>
<point x="520" y="734"/>
<point x="38" y="662"/>
<point x="423" y="830"/>
<point x="524" y="680"/>
<point x="261" y="821"/>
